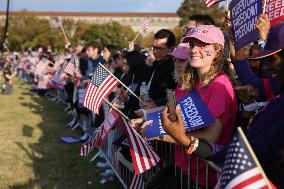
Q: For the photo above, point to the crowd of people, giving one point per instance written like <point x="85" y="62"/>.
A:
<point x="240" y="88"/>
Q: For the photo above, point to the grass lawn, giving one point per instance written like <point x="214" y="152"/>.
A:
<point x="30" y="155"/>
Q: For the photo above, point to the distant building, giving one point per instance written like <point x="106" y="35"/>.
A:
<point x="159" y="20"/>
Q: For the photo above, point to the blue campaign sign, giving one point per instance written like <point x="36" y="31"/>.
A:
<point x="244" y="14"/>
<point x="194" y="113"/>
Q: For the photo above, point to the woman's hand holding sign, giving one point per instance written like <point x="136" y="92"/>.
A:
<point x="263" y="26"/>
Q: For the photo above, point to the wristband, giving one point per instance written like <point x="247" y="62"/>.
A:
<point x="192" y="146"/>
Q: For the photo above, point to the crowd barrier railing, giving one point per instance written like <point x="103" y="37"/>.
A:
<point x="124" y="170"/>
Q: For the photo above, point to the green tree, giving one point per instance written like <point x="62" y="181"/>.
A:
<point x="192" y="7"/>
<point x="26" y="30"/>
<point x="111" y="33"/>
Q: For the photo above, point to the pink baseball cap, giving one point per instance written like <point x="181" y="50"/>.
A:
<point x="206" y="33"/>
<point x="181" y="51"/>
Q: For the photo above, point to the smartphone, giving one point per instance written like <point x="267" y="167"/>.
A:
<point x="171" y="97"/>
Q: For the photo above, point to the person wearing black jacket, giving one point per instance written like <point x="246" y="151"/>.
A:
<point x="160" y="76"/>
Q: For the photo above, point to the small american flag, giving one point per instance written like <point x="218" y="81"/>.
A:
<point x="240" y="170"/>
<point x="101" y="85"/>
<point x="137" y="182"/>
<point x="55" y="22"/>
<point x="100" y="134"/>
<point x="40" y="67"/>
<point x="70" y="68"/>
<point x="88" y="148"/>
<point x="210" y="3"/>
<point x="42" y="84"/>
<point x="142" y="155"/>
<point x="145" y="24"/>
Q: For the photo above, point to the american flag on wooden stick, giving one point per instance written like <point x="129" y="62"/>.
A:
<point x="100" y="134"/>
<point x="143" y="156"/>
<point x="210" y="3"/>
<point x="101" y="85"/>
<point x="145" y="24"/>
<point x="240" y="169"/>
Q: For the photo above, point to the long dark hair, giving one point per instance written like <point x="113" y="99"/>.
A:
<point x="137" y="66"/>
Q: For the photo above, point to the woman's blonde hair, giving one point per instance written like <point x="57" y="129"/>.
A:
<point x="220" y="65"/>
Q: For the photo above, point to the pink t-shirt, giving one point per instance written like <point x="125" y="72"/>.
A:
<point x="220" y="99"/>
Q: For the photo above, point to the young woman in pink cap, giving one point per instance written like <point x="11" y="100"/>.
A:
<point x="208" y="74"/>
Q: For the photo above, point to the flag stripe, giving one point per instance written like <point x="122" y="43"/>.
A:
<point x="111" y="83"/>
<point x="137" y="166"/>
<point x="248" y="181"/>
<point x="101" y="85"/>
<point x="210" y="3"/>
<point x="145" y="24"/>
<point x="143" y="156"/>
<point x="136" y="182"/>
<point x="88" y="97"/>
<point x="150" y="153"/>
<point x="100" y="134"/>
<point x="40" y="67"/>
<point x="70" y="68"/>
<point x="100" y="91"/>
<point x="95" y="95"/>
<point x="241" y="177"/>
<point x="258" y="184"/>
<point x="92" y="97"/>
<point x="140" y="151"/>
<point x="240" y="169"/>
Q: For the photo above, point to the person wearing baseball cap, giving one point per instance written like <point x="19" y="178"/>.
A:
<point x="180" y="55"/>
<point x="207" y="74"/>
<point x="270" y="57"/>
<point x="275" y="43"/>
<point x="266" y="129"/>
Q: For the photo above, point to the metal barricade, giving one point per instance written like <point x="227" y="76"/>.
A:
<point x="110" y="154"/>
<point x="166" y="152"/>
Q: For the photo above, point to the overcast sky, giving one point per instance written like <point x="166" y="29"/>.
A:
<point x="94" y="5"/>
